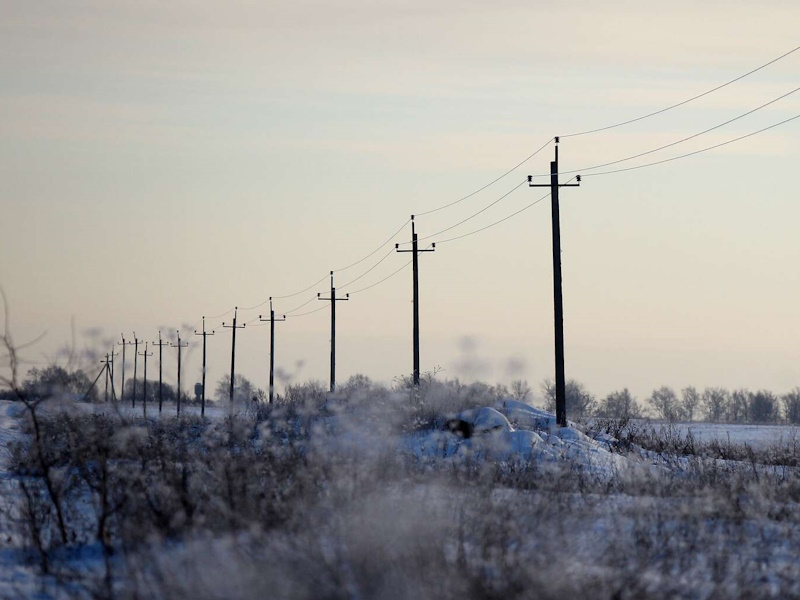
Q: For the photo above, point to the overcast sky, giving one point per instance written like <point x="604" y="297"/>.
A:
<point x="164" y="161"/>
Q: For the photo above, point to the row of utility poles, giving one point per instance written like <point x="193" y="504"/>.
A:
<point x="561" y="412"/>
<point x="108" y="369"/>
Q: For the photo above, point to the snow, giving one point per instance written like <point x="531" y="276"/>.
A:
<point x="533" y="436"/>
<point x="757" y="436"/>
<point x="507" y="433"/>
<point x="14" y="573"/>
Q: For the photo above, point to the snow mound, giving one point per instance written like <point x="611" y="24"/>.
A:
<point x="484" y="419"/>
<point x="526" y="416"/>
<point x="487" y="433"/>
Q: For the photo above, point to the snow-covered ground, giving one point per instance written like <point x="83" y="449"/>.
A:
<point x="16" y="578"/>
<point x="757" y="436"/>
<point x="508" y="433"/>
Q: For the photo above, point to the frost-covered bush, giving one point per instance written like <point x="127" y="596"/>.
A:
<point x="308" y="498"/>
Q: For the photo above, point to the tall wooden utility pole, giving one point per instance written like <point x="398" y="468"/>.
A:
<point x="179" y="346"/>
<point x="135" y="362"/>
<point x="144" y="401"/>
<point x="233" y="347"/>
<point x="205" y="335"/>
<point x="160" y="345"/>
<point x="272" y="320"/>
<point x="415" y="263"/>
<point x="111" y="356"/>
<point x="561" y="386"/>
<point x="124" y="344"/>
<point x="106" y="362"/>
<point x="333" y="300"/>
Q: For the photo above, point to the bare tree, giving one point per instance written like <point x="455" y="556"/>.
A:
<point x="521" y="391"/>
<point x="619" y="405"/>
<point x="763" y="406"/>
<point x="738" y="406"/>
<point x="665" y="402"/>
<point x="690" y="402"/>
<point x="243" y="392"/>
<point x="791" y="405"/>
<point x="715" y="401"/>
<point x="580" y="402"/>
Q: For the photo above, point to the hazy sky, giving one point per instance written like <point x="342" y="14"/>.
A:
<point x="162" y="161"/>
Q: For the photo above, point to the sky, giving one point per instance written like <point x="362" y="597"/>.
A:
<point x="164" y="161"/>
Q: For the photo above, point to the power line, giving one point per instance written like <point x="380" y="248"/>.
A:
<point x="524" y="208"/>
<point x="313" y="285"/>
<point x="686" y="139"/>
<point x="696" y="151"/>
<point x="358" y="262"/>
<point x="306" y="303"/>
<point x="663" y="110"/>
<point x="529" y="157"/>
<point x="351" y="282"/>
<point x="488" y="206"/>
<point x="350" y="266"/>
<point x="470" y="195"/>
<point x="305" y="313"/>
<point x="392" y="274"/>
<point x="514" y="214"/>
<point x="472" y="216"/>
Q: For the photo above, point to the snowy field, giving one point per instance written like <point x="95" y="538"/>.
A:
<point x="757" y="436"/>
<point x="376" y="496"/>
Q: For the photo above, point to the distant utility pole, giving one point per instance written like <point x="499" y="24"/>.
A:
<point x="272" y="320"/>
<point x="106" y="362"/>
<point x="160" y="345"/>
<point x="111" y="355"/>
<point x="415" y="263"/>
<point x="233" y="346"/>
<point x="561" y="386"/>
<point x="179" y="346"/>
<point x="144" y="402"/>
<point x="205" y="335"/>
<point x="333" y="300"/>
<point x="123" y="344"/>
<point x="135" y="362"/>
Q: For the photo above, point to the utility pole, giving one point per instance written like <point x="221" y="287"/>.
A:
<point x="179" y="346"/>
<point x="233" y="346"/>
<point x="135" y="362"/>
<point x="272" y="320"/>
<point x="160" y="345"/>
<point x="123" y="344"/>
<point x="205" y="335"/>
<point x="144" y="402"/>
<point x="106" y="362"/>
<point x="415" y="264"/>
<point x="561" y="386"/>
<point x="111" y="355"/>
<point x="333" y="300"/>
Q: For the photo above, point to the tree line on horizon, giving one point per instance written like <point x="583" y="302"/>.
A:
<point x="712" y="404"/>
